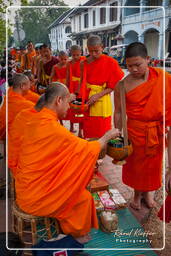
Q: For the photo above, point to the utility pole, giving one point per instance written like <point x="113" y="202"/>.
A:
<point x="18" y="28"/>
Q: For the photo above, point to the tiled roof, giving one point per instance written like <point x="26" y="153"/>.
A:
<point x="62" y="17"/>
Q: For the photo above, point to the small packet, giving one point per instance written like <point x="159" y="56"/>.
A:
<point x="117" y="198"/>
<point x="98" y="204"/>
<point x="106" y="200"/>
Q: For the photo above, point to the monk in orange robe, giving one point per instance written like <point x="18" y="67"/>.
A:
<point x="58" y="73"/>
<point x="144" y="108"/>
<point x="100" y="73"/>
<point x="27" y="59"/>
<point x="31" y="94"/>
<point x="16" y="102"/>
<point x="54" y="167"/>
<point x="16" y="132"/>
<point x="73" y="80"/>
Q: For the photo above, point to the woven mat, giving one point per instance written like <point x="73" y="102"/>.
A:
<point x="133" y="237"/>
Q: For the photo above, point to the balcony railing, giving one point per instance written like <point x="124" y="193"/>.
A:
<point x="146" y="16"/>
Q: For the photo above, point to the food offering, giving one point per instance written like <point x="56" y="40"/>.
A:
<point x="117" y="198"/>
<point x="79" y="106"/>
<point x="117" y="149"/>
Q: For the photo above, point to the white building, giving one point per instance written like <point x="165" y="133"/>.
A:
<point x="92" y="19"/>
<point x="60" y="30"/>
<point x="148" y="25"/>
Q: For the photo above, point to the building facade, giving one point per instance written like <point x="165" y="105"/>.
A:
<point x="116" y="22"/>
<point x="147" y="24"/>
<point x="96" y="17"/>
<point x="60" y="31"/>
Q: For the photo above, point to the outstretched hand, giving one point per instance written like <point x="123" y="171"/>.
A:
<point x="93" y="99"/>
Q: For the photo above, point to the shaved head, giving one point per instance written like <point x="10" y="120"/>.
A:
<point x="94" y="40"/>
<point x="75" y="48"/>
<point x="19" y="79"/>
<point x="55" y="89"/>
<point x="62" y="53"/>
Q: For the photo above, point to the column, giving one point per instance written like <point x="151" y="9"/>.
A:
<point x="141" y="38"/>
<point x="165" y="3"/>
<point x="160" y="48"/>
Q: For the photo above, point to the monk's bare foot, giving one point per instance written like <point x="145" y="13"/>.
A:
<point x="149" y="200"/>
<point x="135" y="206"/>
<point x="100" y="162"/>
<point x="136" y="201"/>
<point x="83" y="239"/>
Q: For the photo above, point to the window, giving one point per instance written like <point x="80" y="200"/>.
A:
<point x="80" y="23"/>
<point x="153" y="3"/>
<point x="94" y="18"/>
<point x="68" y="30"/>
<point x="86" y="20"/>
<point x="102" y="15"/>
<point x="113" y="11"/>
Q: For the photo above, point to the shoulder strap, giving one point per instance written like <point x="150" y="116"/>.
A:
<point x="123" y="112"/>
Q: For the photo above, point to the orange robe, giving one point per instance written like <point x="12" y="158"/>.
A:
<point x="74" y="80"/>
<point x="27" y="60"/>
<point x="144" y="107"/>
<point x="16" y="103"/>
<point x="54" y="168"/>
<point x="60" y="74"/>
<point x="100" y="71"/>
<point x="32" y="96"/>
<point x="74" y="71"/>
<point x="15" y="136"/>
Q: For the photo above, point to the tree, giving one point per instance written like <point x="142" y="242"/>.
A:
<point x="35" y="21"/>
<point x="3" y="6"/>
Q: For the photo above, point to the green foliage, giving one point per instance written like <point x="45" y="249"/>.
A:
<point x="35" y="21"/>
<point x="3" y="6"/>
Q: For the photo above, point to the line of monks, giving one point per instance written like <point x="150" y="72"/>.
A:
<point x="52" y="166"/>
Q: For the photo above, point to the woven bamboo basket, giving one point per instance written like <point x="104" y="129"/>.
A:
<point x="41" y="89"/>
<point x="78" y="106"/>
<point x="119" y="154"/>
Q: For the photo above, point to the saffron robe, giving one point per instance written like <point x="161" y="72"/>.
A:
<point x="54" y="168"/>
<point x="74" y="80"/>
<point x="145" y="108"/>
<point x="16" y="103"/>
<point x="15" y="136"/>
<point x="74" y="71"/>
<point x="27" y="60"/>
<point x="60" y="74"/>
<point x="32" y="96"/>
<point x="104" y="70"/>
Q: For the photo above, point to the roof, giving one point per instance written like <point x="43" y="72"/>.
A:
<point x="61" y="18"/>
<point x="88" y="3"/>
<point x="112" y="28"/>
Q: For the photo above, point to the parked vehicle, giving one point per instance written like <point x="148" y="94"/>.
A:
<point x="118" y="52"/>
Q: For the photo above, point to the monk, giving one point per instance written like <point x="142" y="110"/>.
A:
<point x="16" y="102"/>
<point x="54" y="167"/>
<point x="37" y="61"/>
<point x="45" y="65"/>
<point x="73" y="80"/>
<point x="99" y="75"/>
<point x="16" y="131"/>
<point x="34" y="61"/>
<point x="31" y="95"/>
<point x="27" y="60"/>
<point x="58" y="73"/>
<point x="144" y="107"/>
